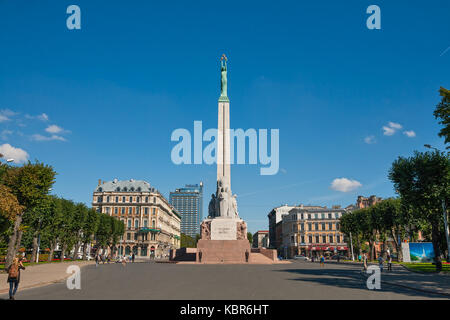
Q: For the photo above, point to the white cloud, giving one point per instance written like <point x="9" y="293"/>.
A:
<point x="39" y="137"/>
<point x="388" y="131"/>
<point x="54" y="129"/>
<point x="391" y="128"/>
<point x="42" y="117"/>
<point x="345" y="185"/>
<point x="409" y="134"/>
<point x="4" y="134"/>
<point x="9" y="152"/>
<point x="370" y="140"/>
<point x="6" y="114"/>
<point x="395" y="125"/>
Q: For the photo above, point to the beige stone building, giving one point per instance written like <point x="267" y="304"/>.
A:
<point x="313" y="231"/>
<point x="152" y="224"/>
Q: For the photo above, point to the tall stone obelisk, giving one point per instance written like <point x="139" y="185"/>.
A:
<point x="223" y="130"/>
<point x="223" y="233"/>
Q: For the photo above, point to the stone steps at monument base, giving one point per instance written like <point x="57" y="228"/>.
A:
<point x="259" y="258"/>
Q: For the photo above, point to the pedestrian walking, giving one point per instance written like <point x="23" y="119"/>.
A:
<point x="380" y="262"/>
<point x="96" y="260"/>
<point x="389" y="263"/>
<point x="364" y="258"/>
<point x="124" y="261"/>
<point x="14" y="276"/>
<point x="322" y="261"/>
<point x="132" y="257"/>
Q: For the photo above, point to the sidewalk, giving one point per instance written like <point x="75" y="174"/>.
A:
<point x="42" y="274"/>
<point x="424" y="282"/>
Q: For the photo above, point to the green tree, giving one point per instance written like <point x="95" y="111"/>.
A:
<point x="66" y="234"/>
<point x="117" y="230"/>
<point x="187" y="241"/>
<point x="30" y="184"/>
<point x="51" y="231"/>
<point x="394" y="218"/>
<point x="250" y="238"/>
<point x="104" y="231"/>
<point x="423" y="182"/>
<point x="88" y="229"/>
<point x="442" y="112"/>
<point x="80" y="216"/>
<point x="36" y="219"/>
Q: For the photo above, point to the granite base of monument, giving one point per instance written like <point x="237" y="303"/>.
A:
<point x="223" y="240"/>
<point x="223" y="251"/>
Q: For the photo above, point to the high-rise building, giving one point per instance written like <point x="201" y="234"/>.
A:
<point x="188" y="201"/>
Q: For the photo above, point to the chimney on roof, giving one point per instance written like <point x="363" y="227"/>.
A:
<point x="99" y="181"/>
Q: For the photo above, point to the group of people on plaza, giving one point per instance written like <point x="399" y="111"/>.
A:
<point x="362" y="258"/>
<point x="107" y="258"/>
<point x="380" y="259"/>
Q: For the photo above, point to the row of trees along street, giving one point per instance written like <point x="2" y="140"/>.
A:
<point x="31" y="217"/>
<point x="422" y="182"/>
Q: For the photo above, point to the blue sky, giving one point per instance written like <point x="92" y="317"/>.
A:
<point x="117" y="88"/>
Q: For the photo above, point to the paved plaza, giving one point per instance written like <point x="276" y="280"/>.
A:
<point x="298" y="280"/>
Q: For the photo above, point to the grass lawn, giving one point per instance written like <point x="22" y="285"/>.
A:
<point x="426" y="267"/>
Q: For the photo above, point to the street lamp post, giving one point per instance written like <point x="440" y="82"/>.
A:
<point x="444" y="213"/>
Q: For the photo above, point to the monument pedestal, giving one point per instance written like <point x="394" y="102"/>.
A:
<point x="223" y="251"/>
<point x="223" y="240"/>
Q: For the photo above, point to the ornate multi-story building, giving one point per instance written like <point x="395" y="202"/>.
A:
<point x="313" y="231"/>
<point x="152" y="224"/>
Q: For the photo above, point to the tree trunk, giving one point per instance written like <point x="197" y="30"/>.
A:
<point x="63" y="249"/>
<point x="11" y="253"/>
<point x="398" y="246"/>
<point x="371" y="246"/>
<point x="52" y="250"/>
<point x="84" y="251"/>
<point x="75" y="251"/>
<point x="35" y="247"/>
<point x="436" y="239"/>
<point x="18" y="240"/>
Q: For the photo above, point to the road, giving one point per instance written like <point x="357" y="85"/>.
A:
<point x="299" y="280"/>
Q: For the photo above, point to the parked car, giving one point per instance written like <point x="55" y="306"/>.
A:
<point x="301" y="258"/>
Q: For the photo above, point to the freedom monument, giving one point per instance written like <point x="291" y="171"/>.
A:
<point x="224" y="233"/>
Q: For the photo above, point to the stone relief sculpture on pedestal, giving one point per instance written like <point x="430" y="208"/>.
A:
<point x="205" y="232"/>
